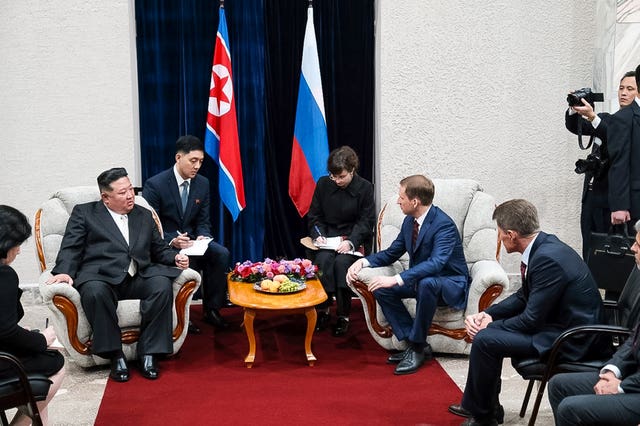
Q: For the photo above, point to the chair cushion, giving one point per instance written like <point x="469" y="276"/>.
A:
<point x="39" y="386"/>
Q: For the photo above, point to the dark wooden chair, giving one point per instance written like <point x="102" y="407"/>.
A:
<point x="19" y="390"/>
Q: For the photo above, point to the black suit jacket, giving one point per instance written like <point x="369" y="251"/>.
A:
<point x="623" y="137"/>
<point x="558" y="293"/>
<point x="346" y="212"/>
<point x="93" y="247"/>
<point x="600" y="185"/>
<point x="161" y="191"/>
<point x="13" y="338"/>
<point x="627" y="359"/>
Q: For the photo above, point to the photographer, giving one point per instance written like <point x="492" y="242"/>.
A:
<point x="596" y="213"/>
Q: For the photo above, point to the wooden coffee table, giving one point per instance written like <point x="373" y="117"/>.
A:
<point x="303" y="302"/>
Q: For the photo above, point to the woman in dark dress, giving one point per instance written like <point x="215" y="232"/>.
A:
<point x="342" y="206"/>
<point x="29" y="346"/>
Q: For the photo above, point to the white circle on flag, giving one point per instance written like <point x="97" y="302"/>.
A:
<point x="220" y="105"/>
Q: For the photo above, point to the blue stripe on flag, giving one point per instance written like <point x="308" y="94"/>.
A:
<point x="311" y="131"/>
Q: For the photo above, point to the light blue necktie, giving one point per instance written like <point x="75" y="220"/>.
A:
<point x="185" y="194"/>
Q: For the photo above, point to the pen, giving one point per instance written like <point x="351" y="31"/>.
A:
<point x="46" y="323"/>
<point x="315" y="227"/>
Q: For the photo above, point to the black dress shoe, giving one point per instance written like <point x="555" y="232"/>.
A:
<point x="323" y="321"/>
<point x="148" y="367"/>
<point x="213" y="317"/>
<point x="475" y="422"/>
<point x="119" y="370"/>
<point x="459" y="410"/>
<point x="341" y="327"/>
<point x="410" y="363"/>
<point x="399" y="356"/>
<point x="193" y="329"/>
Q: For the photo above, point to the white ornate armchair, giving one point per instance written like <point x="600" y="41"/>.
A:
<point x="471" y="209"/>
<point x="69" y="320"/>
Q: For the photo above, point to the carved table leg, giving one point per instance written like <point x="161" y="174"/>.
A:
<point x="312" y="317"/>
<point x="249" y="316"/>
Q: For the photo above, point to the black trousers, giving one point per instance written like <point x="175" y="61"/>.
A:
<point x="100" y="301"/>
<point x="490" y="347"/>
<point x="574" y="402"/>
<point x="214" y="264"/>
<point x="333" y="268"/>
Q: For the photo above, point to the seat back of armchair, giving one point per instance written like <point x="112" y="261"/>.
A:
<point x="52" y="217"/>
<point x="468" y="206"/>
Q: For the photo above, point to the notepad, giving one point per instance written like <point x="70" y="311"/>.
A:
<point x="332" y="243"/>
<point x="198" y="248"/>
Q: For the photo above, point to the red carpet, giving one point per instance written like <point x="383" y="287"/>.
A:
<point x="350" y="384"/>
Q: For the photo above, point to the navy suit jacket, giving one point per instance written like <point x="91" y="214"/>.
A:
<point x="558" y="293"/>
<point x="623" y="137"/>
<point x="93" y="247"/>
<point x="162" y="193"/>
<point x="438" y="253"/>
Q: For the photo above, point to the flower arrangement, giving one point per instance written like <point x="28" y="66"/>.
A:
<point x="249" y="271"/>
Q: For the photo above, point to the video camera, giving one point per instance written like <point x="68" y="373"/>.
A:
<point x="575" y="98"/>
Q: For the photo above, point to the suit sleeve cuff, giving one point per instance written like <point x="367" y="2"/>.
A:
<point x="610" y="367"/>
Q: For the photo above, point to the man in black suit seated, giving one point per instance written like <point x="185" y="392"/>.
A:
<point x="557" y="293"/>
<point x="181" y="198"/>
<point x="608" y="397"/>
<point x="112" y="250"/>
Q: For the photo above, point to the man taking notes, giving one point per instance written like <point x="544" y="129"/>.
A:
<point x="181" y="198"/>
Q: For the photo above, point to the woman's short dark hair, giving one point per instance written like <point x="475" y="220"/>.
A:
<point x="343" y="158"/>
<point x="14" y="229"/>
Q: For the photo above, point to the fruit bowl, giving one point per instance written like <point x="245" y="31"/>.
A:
<point x="289" y="286"/>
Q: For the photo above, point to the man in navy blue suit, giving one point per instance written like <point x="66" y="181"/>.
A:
<point x="557" y="293"/>
<point x="437" y="273"/>
<point x="181" y="198"/>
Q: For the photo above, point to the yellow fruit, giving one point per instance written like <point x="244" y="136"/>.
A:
<point x="274" y="286"/>
<point x="280" y="278"/>
<point x="265" y="284"/>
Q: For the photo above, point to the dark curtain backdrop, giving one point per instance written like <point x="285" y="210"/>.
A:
<point x="175" y="42"/>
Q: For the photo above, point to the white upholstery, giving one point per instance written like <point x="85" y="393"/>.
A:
<point x="471" y="209"/>
<point x="52" y="220"/>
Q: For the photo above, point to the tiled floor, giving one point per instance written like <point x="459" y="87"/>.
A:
<point x="79" y="398"/>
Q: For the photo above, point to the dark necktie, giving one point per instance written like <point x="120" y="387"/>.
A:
<point x="185" y="194"/>
<point x="523" y="275"/>
<point x="414" y="235"/>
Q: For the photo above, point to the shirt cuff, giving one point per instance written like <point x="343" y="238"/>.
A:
<point x="365" y="263"/>
<point x="610" y="367"/>
<point x="596" y="121"/>
<point x="399" y="279"/>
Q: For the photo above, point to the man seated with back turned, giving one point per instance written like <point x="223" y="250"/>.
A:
<point x="557" y="293"/>
<point x="111" y="251"/>
<point x="608" y="397"/>
<point x="437" y="274"/>
<point x="181" y="198"/>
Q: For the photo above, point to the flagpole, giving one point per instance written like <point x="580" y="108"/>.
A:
<point x="221" y="3"/>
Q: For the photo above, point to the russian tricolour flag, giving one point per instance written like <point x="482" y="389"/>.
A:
<point x="221" y="137"/>
<point x="310" y="145"/>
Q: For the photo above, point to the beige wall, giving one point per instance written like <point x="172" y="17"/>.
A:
<point x="68" y="100"/>
<point x="465" y="89"/>
<point x="478" y="90"/>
